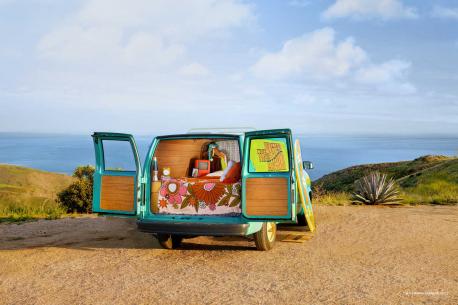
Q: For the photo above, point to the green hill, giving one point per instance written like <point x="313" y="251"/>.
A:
<point x="428" y="179"/>
<point x="29" y="193"/>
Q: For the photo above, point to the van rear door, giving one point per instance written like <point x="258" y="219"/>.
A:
<point x="117" y="176"/>
<point x="267" y="180"/>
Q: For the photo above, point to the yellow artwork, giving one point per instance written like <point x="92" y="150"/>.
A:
<point x="268" y="155"/>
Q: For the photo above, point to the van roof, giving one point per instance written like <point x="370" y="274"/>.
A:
<point x="200" y="135"/>
<point x="221" y="130"/>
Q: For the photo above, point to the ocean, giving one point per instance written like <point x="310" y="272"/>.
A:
<point x="62" y="153"/>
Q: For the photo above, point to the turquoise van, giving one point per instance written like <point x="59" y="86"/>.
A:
<point x="214" y="183"/>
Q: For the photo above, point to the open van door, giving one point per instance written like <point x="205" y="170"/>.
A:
<point x="267" y="176"/>
<point x="117" y="174"/>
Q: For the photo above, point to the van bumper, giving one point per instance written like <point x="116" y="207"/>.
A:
<point x="193" y="228"/>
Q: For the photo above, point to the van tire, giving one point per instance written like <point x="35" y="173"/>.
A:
<point x="301" y="220"/>
<point x="265" y="238"/>
<point x="168" y="241"/>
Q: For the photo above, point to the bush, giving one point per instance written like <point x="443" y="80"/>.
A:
<point x="21" y="209"/>
<point x="321" y="196"/>
<point x="433" y="191"/>
<point x="78" y="196"/>
<point x="375" y="188"/>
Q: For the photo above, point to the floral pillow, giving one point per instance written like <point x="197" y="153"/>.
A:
<point x="233" y="174"/>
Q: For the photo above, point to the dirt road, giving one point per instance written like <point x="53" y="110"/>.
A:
<point x="360" y="255"/>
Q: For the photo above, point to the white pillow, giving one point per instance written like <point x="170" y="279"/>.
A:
<point x="226" y="170"/>
<point x="215" y="174"/>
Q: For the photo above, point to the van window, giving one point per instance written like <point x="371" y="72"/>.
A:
<point x="118" y="156"/>
<point x="268" y="155"/>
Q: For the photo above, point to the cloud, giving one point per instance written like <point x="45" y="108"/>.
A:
<point x="390" y="76"/>
<point x="147" y="64"/>
<point x="194" y="69"/>
<point x="319" y="57"/>
<point x="364" y="9"/>
<point x="140" y="31"/>
<point x="445" y="12"/>
<point x="178" y="20"/>
<point x="316" y="54"/>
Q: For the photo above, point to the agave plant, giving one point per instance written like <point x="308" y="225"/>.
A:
<point x="375" y="188"/>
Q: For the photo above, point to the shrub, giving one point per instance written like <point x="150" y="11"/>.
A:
<point x="29" y="208"/>
<point x="77" y="197"/>
<point x="375" y="188"/>
<point x="321" y="196"/>
<point x="433" y="191"/>
<point x="333" y="198"/>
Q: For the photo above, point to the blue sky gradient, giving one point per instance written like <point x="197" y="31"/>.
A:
<point x="149" y="67"/>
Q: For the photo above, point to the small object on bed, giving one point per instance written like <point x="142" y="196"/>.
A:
<point x="155" y="170"/>
<point x="166" y="173"/>
<point x="195" y="172"/>
<point x="203" y="167"/>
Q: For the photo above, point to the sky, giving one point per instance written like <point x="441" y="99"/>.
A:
<point x="353" y="67"/>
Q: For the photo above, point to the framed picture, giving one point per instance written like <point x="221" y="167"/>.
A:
<point x="195" y="172"/>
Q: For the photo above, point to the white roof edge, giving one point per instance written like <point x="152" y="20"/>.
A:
<point x="223" y="130"/>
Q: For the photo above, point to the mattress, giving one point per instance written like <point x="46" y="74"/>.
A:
<point x="196" y="196"/>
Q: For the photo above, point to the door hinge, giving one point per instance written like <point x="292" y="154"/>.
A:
<point x="143" y="180"/>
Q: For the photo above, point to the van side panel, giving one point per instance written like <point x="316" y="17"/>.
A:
<point x="267" y="196"/>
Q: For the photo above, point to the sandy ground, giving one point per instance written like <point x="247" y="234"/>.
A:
<point x="360" y="255"/>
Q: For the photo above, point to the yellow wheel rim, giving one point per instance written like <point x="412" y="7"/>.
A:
<point x="271" y="231"/>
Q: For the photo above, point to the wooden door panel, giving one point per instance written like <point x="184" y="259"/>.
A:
<point x="267" y="196"/>
<point x="118" y="193"/>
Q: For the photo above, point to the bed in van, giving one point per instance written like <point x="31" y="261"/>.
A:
<point x="205" y="183"/>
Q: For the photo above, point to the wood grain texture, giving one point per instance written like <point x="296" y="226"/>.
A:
<point x="155" y="187"/>
<point x="267" y="196"/>
<point x="118" y="193"/>
<point x="178" y="154"/>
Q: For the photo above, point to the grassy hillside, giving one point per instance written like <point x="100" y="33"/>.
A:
<point x="428" y="179"/>
<point x="29" y="193"/>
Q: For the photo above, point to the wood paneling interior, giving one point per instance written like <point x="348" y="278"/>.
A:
<point x="155" y="187"/>
<point x="267" y="196"/>
<point x="118" y="193"/>
<point x="178" y="154"/>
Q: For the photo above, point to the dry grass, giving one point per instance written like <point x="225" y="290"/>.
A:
<point x="336" y="198"/>
<point x="30" y="194"/>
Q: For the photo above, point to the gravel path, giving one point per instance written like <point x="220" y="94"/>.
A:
<point x="359" y="255"/>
